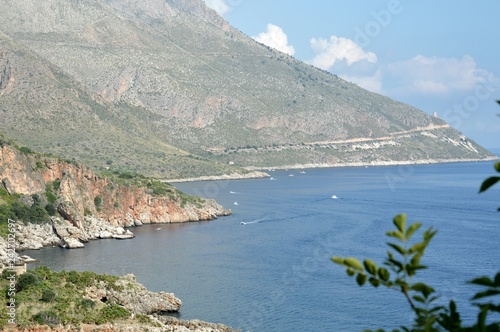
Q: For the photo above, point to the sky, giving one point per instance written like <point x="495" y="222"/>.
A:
<point x="439" y="56"/>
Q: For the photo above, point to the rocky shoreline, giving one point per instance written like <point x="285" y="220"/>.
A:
<point x="374" y="163"/>
<point x="258" y="172"/>
<point x="255" y="174"/>
<point x="126" y="292"/>
<point x="147" y="310"/>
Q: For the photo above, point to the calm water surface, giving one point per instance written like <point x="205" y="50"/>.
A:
<point x="274" y="274"/>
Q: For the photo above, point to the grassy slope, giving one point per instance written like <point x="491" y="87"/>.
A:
<point x="43" y="296"/>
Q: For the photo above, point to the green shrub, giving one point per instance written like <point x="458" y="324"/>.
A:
<point x="48" y="295"/>
<point x="33" y="214"/>
<point x="47" y="318"/>
<point x="25" y="150"/>
<point x="51" y="197"/>
<point x="7" y="273"/>
<point x="98" y="203"/>
<point x="111" y="313"/>
<point x="40" y="165"/>
<point x="86" y="304"/>
<point x="126" y="175"/>
<point x="143" y="319"/>
<point x="56" y="184"/>
<point x="26" y="280"/>
<point x="4" y="193"/>
<point x="51" y="209"/>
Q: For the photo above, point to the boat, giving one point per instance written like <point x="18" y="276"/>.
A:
<point x="334" y="196"/>
<point x="290" y="175"/>
<point x="302" y="172"/>
<point x="235" y="203"/>
<point x="157" y="229"/>
<point x="272" y="178"/>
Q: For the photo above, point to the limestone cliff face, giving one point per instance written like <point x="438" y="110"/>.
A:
<point x="81" y="192"/>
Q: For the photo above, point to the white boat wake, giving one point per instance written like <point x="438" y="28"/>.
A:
<point x="256" y="221"/>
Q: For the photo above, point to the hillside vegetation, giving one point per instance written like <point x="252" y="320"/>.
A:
<point x="171" y="89"/>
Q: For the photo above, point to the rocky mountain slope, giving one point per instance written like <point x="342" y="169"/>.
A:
<point x="171" y="73"/>
<point x="45" y="109"/>
<point x="79" y="205"/>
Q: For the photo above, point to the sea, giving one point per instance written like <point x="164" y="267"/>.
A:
<point x="267" y="266"/>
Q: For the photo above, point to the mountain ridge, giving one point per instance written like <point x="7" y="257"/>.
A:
<point x="191" y="81"/>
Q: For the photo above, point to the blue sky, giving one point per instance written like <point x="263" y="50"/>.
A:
<point x="441" y="56"/>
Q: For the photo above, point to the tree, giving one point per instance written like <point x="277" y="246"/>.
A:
<point x="404" y="261"/>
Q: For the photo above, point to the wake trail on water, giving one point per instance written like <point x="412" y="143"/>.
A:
<point x="267" y="220"/>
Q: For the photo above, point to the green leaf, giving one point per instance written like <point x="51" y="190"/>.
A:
<point x="497" y="166"/>
<point x="486" y="293"/>
<point x="361" y="279"/>
<point x="482" y="281"/>
<point x="396" y="234"/>
<point x="488" y="183"/>
<point x="354" y="263"/>
<point x="350" y="272"/>
<point x="422" y="288"/>
<point x="494" y="308"/>
<point x="394" y="263"/>
<point x="434" y="298"/>
<point x="374" y="281"/>
<point x="412" y="229"/>
<point x="400" y="222"/>
<point x="418" y="298"/>
<point x="383" y="274"/>
<point x="497" y="280"/>
<point x="415" y="260"/>
<point x="417" y="247"/>
<point x="411" y="268"/>
<point x="338" y="260"/>
<point x="429" y="234"/>
<point x="370" y="266"/>
<point x="398" y="248"/>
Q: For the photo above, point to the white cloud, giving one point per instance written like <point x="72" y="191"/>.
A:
<point x="436" y="75"/>
<point x="420" y="75"/>
<point x="329" y="51"/>
<point x="276" y="38"/>
<point x="220" y="6"/>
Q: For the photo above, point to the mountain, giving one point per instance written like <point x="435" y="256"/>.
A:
<point x="45" y="109"/>
<point x="174" y="87"/>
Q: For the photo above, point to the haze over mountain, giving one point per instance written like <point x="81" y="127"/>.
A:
<point x="167" y="87"/>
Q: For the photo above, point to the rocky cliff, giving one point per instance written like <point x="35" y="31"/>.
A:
<point x="80" y="191"/>
<point x="88" y="206"/>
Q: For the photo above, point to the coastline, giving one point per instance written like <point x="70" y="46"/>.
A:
<point x="254" y="174"/>
<point x="377" y="163"/>
<point x="259" y="171"/>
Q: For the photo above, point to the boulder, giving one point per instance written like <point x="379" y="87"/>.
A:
<point x="71" y="243"/>
<point x="136" y="298"/>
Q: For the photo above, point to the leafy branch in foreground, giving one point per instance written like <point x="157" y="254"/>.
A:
<point x="402" y="263"/>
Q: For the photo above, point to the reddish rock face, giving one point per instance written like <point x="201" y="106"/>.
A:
<point x="80" y="188"/>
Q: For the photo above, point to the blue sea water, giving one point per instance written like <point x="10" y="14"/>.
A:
<point x="273" y="273"/>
